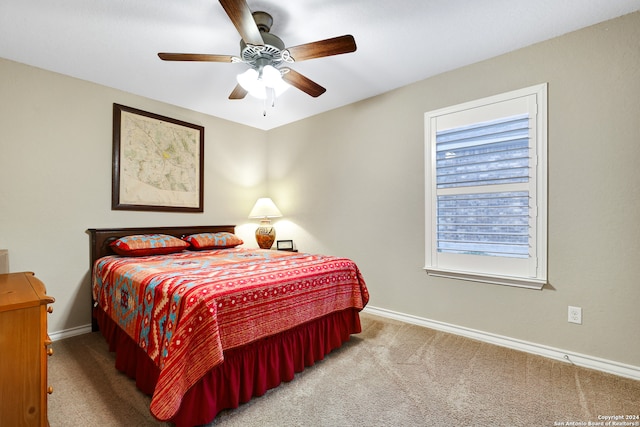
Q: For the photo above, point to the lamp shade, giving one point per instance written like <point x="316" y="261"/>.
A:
<point x="258" y="82"/>
<point x="265" y="208"/>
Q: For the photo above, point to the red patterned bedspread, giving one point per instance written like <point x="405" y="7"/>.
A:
<point x="185" y="309"/>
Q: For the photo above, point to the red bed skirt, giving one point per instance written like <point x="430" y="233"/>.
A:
<point x="247" y="371"/>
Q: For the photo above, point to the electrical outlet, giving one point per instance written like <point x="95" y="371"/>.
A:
<point x="575" y="315"/>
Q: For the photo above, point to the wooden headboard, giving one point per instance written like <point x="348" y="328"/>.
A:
<point x="102" y="237"/>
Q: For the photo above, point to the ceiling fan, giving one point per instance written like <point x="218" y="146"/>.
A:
<point x="265" y="52"/>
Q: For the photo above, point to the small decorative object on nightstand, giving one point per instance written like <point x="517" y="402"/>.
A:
<point x="266" y="233"/>
<point x="285" y="245"/>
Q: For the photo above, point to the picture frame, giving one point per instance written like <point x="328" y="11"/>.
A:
<point x="158" y="162"/>
<point x="284" y="245"/>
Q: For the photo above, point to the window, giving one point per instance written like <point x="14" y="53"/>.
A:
<point x="486" y="189"/>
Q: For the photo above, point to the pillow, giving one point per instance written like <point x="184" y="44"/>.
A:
<point x="147" y="244"/>
<point x="213" y="240"/>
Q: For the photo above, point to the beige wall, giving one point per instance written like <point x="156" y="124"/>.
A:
<point x="55" y="170"/>
<point x="355" y="176"/>
<point x="351" y="182"/>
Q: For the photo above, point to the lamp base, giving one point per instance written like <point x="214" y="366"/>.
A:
<point x="265" y="235"/>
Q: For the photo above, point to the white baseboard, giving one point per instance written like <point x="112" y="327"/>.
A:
<point x="583" y="360"/>
<point x="586" y="361"/>
<point x="68" y="333"/>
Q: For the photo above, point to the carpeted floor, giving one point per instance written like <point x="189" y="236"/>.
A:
<point x="392" y="374"/>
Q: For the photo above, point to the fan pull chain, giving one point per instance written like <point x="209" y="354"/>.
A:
<point x="271" y="93"/>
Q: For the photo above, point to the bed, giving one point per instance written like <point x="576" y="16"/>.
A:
<point x="206" y="330"/>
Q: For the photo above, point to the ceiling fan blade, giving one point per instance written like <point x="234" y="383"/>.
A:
<point x="240" y="15"/>
<point x="194" y="57"/>
<point x="238" y="92"/>
<point x="328" y="47"/>
<point x="303" y="83"/>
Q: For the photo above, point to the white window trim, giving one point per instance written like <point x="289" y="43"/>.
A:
<point x="538" y="278"/>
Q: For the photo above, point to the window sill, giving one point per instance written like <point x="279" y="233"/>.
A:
<point x="519" y="282"/>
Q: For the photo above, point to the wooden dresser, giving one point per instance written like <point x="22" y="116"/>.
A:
<point x="24" y="348"/>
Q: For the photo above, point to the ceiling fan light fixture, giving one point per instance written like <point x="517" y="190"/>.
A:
<point x="249" y="81"/>
<point x="258" y="83"/>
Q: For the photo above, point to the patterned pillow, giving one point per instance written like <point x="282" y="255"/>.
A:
<point x="213" y="240"/>
<point x="148" y="244"/>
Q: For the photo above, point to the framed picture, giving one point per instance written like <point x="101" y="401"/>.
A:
<point x="158" y="162"/>
<point x="284" y="245"/>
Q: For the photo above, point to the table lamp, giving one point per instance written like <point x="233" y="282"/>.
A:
<point x="266" y="233"/>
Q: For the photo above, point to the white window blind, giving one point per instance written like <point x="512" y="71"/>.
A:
<point x="486" y="185"/>
<point x="489" y="153"/>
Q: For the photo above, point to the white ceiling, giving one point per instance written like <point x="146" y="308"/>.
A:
<point x="115" y="42"/>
